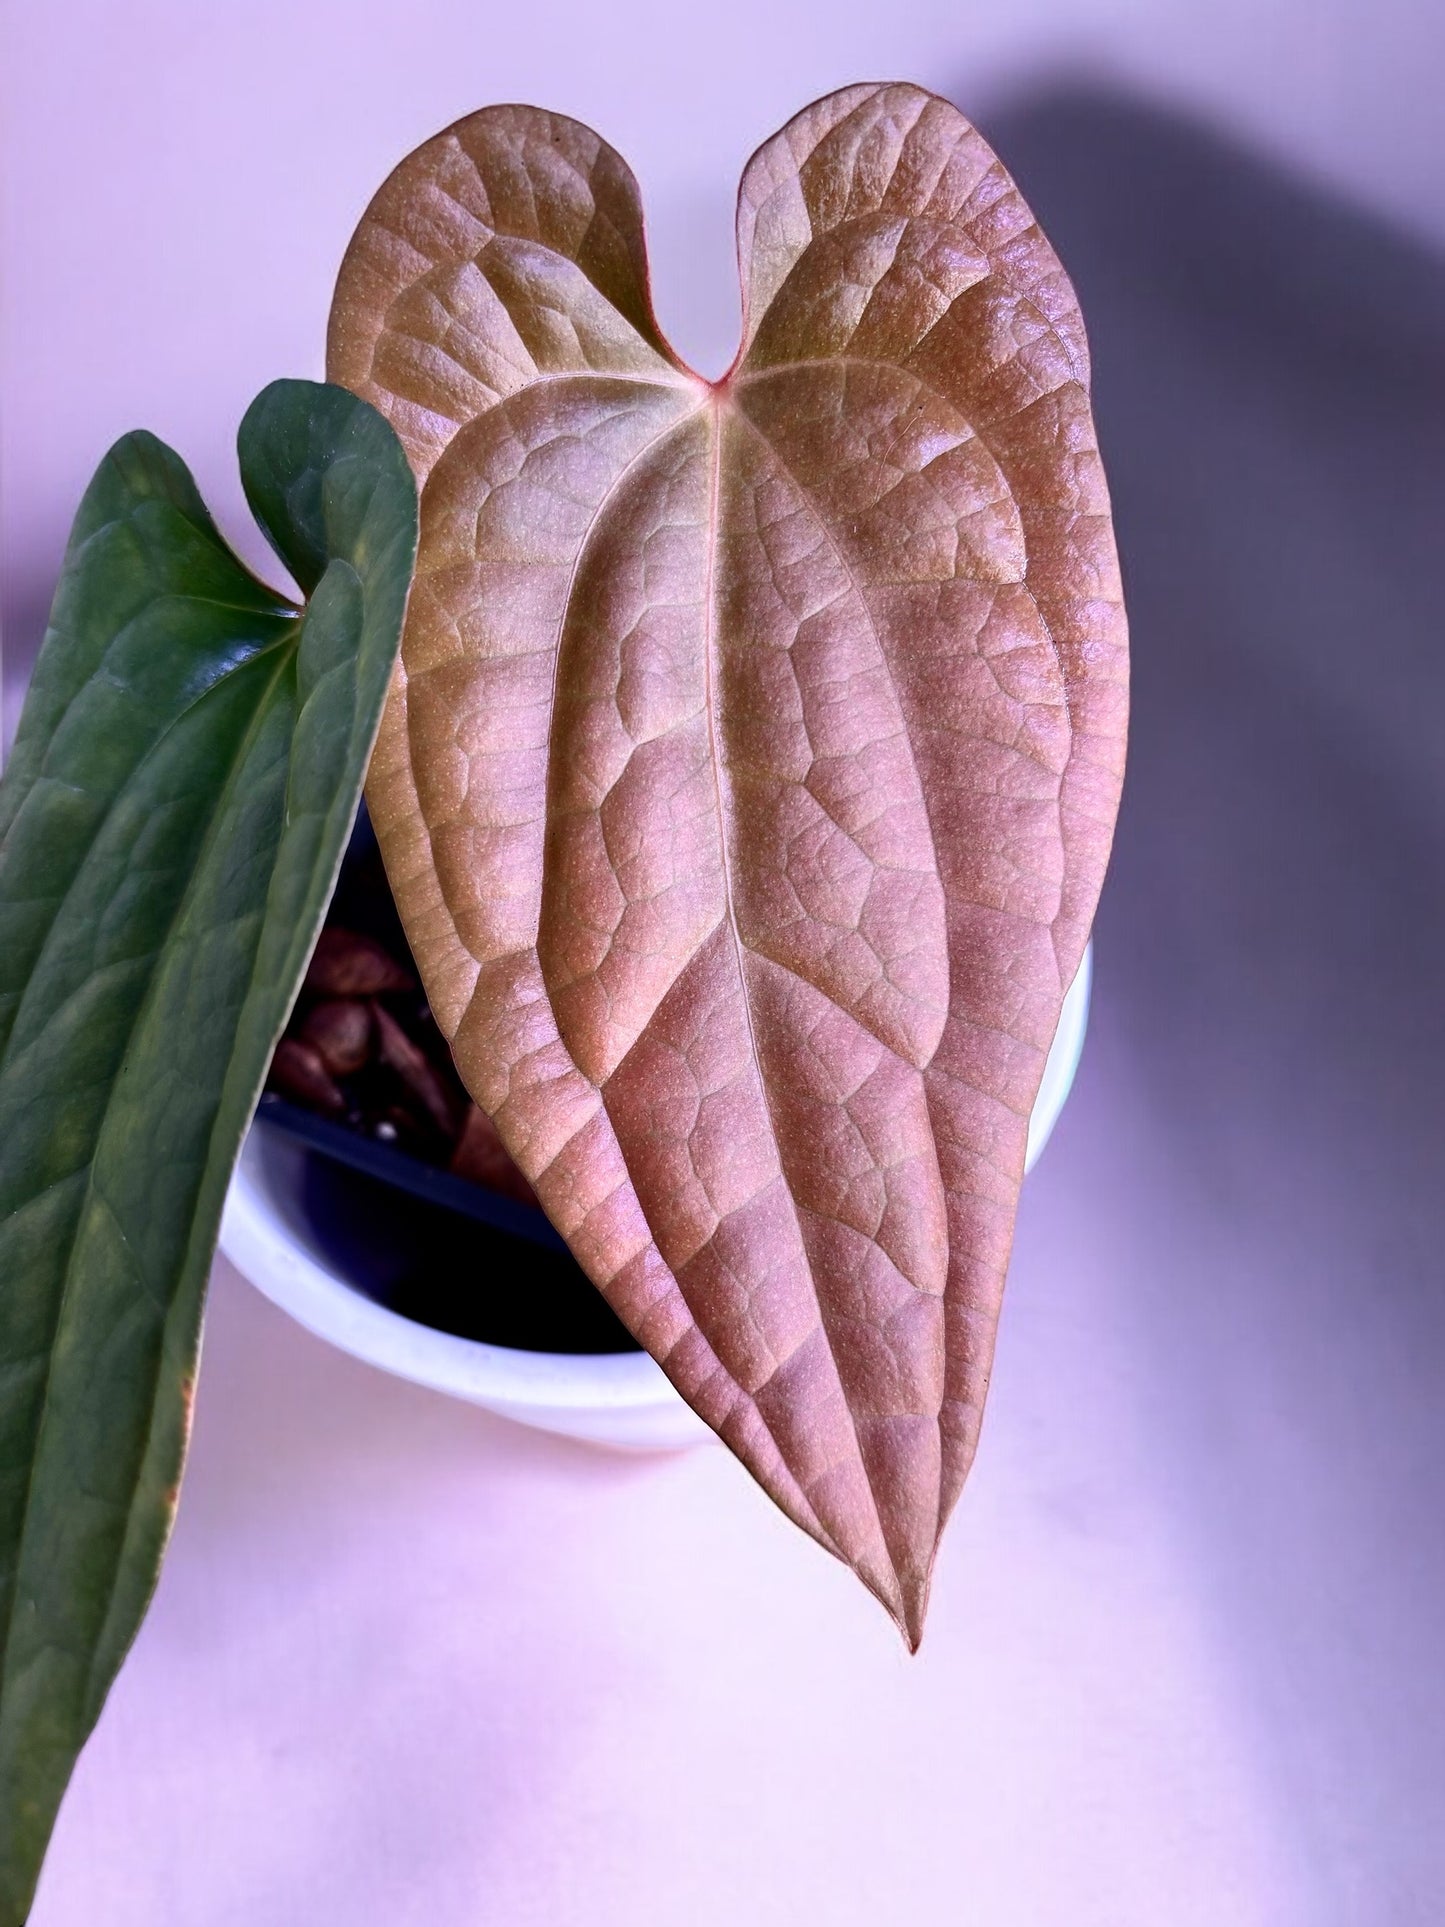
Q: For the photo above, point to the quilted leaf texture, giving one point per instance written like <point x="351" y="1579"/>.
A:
<point x="748" y="777"/>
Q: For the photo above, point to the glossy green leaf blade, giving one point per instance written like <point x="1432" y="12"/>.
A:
<point x="180" y="792"/>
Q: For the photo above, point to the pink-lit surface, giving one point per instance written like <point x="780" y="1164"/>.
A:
<point x="410" y="1664"/>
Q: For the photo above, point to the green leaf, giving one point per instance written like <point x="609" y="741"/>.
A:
<point x="185" y="775"/>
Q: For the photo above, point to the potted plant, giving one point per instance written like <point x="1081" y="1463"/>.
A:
<point x="743" y="757"/>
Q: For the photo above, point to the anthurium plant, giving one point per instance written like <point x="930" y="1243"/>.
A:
<point x="745" y="779"/>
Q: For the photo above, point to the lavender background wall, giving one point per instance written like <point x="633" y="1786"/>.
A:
<point x="179" y="180"/>
<point x="408" y="1664"/>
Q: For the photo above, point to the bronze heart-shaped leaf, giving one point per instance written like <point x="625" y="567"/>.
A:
<point x="748" y="778"/>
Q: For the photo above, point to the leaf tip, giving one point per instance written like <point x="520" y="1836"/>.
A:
<point x="914" y="1612"/>
<point x="904" y="1596"/>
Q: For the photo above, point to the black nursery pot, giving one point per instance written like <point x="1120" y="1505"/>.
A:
<point x="432" y="1247"/>
<point x="402" y="1230"/>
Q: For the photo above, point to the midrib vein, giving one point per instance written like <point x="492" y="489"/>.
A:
<point x="742" y="950"/>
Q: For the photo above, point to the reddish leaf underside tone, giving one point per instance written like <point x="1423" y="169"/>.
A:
<point x="748" y="777"/>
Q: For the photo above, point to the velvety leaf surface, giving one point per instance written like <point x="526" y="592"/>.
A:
<point x="173" y="816"/>
<point x="749" y="775"/>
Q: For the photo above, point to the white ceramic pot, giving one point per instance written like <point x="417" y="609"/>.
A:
<point x="620" y="1399"/>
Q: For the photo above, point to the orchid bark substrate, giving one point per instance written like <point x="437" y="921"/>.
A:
<point x="748" y="777"/>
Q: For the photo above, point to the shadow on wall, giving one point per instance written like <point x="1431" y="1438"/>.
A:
<point x="23" y="608"/>
<point x="1270" y="386"/>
